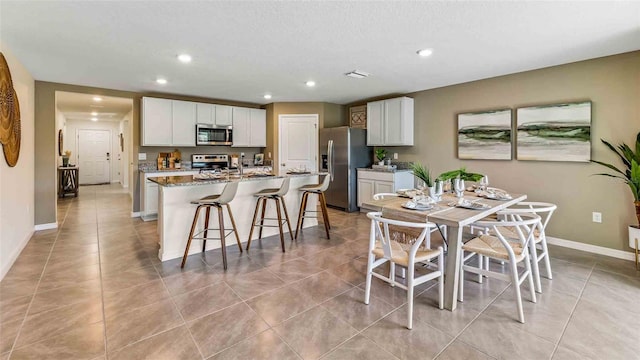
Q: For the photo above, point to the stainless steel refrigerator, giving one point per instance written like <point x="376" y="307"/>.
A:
<point x="342" y="151"/>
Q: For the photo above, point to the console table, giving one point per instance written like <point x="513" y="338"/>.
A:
<point x="67" y="180"/>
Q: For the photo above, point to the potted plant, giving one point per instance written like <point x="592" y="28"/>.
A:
<point x="630" y="174"/>
<point x="424" y="175"/>
<point x="65" y="158"/>
<point x="460" y="174"/>
<point x="380" y="155"/>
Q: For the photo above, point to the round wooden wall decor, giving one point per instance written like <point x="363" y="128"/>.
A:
<point x="60" y="142"/>
<point x="9" y="115"/>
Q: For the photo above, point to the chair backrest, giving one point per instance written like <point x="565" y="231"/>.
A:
<point x="543" y="209"/>
<point x="284" y="188"/>
<point x="228" y="193"/>
<point x="380" y="231"/>
<point x="325" y="183"/>
<point x="381" y="196"/>
<point x="523" y="225"/>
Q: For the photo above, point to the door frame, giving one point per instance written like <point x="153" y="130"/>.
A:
<point x="312" y="118"/>
<point x="110" y="149"/>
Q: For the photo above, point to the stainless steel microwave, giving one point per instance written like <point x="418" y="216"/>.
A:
<point x="207" y="134"/>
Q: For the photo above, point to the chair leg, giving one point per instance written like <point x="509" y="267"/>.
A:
<point x="223" y="245"/>
<point x="279" y="222"/>
<point x="235" y="229"/>
<point x="303" y="207"/>
<point x="411" y="271"/>
<point x="193" y="229"/>
<point x="286" y="216"/>
<point x="513" y="267"/>
<point x="206" y="228"/>
<point x="527" y="266"/>
<point x="325" y="214"/>
<point x="264" y="209"/>
<point x="253" y="223"/>
<point x="534" y="265"/>
<point x="392" y="273"/>
<point x="441" y="279"/>
<point x="480" y="266"/>
<point x="547" y="261"/>
<point x="403" y="273"/>
<point x="461" y="280"/>
<point x="367" y="288"/>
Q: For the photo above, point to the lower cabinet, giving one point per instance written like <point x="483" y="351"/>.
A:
<point x="376" y="182"/>
<point x="149" y="192"/>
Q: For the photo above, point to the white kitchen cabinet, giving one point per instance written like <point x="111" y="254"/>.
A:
<point x="224" y="115"/>
<point x="156" y="122"/>
<point x="205" y="114"/>
<point x="390" y="122"/>
<point x="258" y="131"/>
<point x="149" y="192"/>
<point x="183" y="123"/>
<point x="375" y="182"/>
<point x="249" y="127"/>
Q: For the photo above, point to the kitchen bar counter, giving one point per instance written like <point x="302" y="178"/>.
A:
<point x="175" y="211"/>
<point x="385" y="170"/>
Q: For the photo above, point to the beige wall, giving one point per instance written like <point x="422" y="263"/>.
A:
<point x="329" y="115"/>
<point x="611" y="83"/>
<point x="16" y="183"/>
<point x="46" y="137"/>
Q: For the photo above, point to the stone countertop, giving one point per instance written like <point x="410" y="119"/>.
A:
<point x="385" y="171"/>
<point x="148" y="171"/>
<point x="188" y="180"/>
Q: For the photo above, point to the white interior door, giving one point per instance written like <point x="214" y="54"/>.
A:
<point x="94" y="155"/>
<point x="298" y="145"/>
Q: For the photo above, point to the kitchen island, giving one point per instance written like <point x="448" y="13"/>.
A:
<point x="175" y="211"/>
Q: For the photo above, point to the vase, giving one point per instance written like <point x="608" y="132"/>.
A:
<point x="381" y="162"/>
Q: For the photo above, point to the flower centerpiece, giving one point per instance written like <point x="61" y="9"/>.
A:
<point x="65" y="158"/>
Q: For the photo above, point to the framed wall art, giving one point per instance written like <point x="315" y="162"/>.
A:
<point x="485" y="135"/>
<point x="358" y="116"/>
<point x="559" y="132"/>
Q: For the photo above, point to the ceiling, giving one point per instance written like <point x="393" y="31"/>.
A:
<point x="77" y="106"/>
<point x="245" y="49"/>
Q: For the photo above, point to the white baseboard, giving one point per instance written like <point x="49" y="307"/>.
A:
<point x="14" y="256"/>
<point x="619" y="254"/>
<point x="135" y="214"/>
<point x="46" y="226"/>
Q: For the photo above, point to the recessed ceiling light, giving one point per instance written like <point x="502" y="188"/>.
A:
<point x="97" y="98"/>
<point x="185" y="58"/>
<point x="161" y="81"/>
<point x="357" y="74"/>
<point x="311" y="83"/>
<point x="425" y="52"/>
<point x="267" y="96"/>
<point x="94" y="113"/>
<point x="94" y="119"/>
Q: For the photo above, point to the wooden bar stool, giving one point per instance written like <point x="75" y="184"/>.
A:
<point x="216" y="201"/>
<point x="276" y="195"/>
<point x="314" y="189"/>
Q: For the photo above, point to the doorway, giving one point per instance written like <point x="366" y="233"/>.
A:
<point x="298" y="142"/>
<point x="94" y="156"/>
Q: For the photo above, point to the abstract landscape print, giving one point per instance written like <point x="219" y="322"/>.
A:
<point x="485" y="135"/>
<point x="560" y="132"/>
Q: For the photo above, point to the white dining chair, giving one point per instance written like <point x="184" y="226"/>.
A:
<point x="538" y="247"/>
<point x="383" y="248"/>
<point x="507" y="240"/>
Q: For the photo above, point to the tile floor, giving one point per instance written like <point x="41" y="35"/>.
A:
<point x="94" y="289"/>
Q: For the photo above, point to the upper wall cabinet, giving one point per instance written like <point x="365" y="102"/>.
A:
<point x="214" y="114"/>
<point x="224" y="115"/>
<point x="390" y="122"/>
<point x="183" y="123"/>
<point x="249" y="127"/>
<point x="156" y="124"/>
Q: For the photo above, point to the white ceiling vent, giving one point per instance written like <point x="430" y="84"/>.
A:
<point x="357" y="74"/>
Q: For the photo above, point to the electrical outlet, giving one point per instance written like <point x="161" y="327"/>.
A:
<point x="142" y="156"/>
<point x="596" y="217"/>
<point x="395" y="156"/>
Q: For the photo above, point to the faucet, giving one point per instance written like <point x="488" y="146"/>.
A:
<point x="241" y="165"/>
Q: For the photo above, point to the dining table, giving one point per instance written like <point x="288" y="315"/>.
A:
<point x="447" y="212"/>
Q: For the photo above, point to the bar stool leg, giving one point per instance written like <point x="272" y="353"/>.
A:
<point x="264" y="208"/>
<point x="253" y="223"/>
<point x="193" y="229"/>
<point x="326" y="210"/>
<point x="280" y="222"/>
<point x="223" y="245"/>
<point x="235" y="230"/>
<point x="303" y="208"/>
<point x="206" y="228"/>
<point x="325" y="215"/>
<point x="286" y="215"/>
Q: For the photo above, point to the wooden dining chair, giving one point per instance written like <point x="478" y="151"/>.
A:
<point x="384" y="249"/>
<point x="507" y="240"/>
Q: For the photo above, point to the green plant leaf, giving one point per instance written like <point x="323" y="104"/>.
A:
<point x="609" y="166"/>
<point x="624" y="160"/>
<point x="422" y="173"/>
